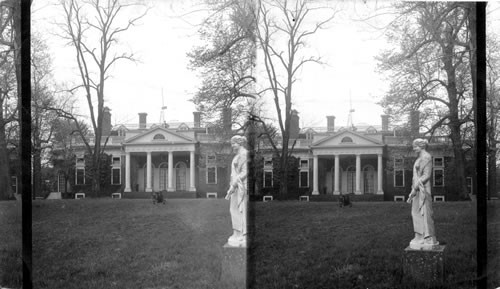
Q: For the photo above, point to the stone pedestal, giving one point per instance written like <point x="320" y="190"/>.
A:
<point x="426" y="266"/>
<point x="234" y="266"/>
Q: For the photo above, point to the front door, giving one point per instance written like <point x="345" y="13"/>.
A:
<point x="351" y="180"/>
<point x="180" y="176"/>
<point x="369" y="180"/>
<point x="163" y="176"/>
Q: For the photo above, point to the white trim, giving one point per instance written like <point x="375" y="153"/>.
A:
<point x="399" y="198"/>
<point x="439" y="198"/>
<point x="267" y="198"/>
<point x="212" y="195"/>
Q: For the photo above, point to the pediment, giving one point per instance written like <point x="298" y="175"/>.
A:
<point x="159" y="135"/>
<point x="347" y="139"/>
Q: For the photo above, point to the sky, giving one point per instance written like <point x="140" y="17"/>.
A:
<point x="161" y="76"/>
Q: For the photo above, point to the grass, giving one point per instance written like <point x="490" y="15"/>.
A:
<point x="319" y="245"/>
<point x="109" y="243"/>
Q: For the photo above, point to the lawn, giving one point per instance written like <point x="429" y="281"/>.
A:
<point x="110" y="243"/>
<point x="319" y="245"/>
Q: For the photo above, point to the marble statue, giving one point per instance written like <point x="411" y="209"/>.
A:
<point x="421" y="199"/>
<point x="237" y="193"/>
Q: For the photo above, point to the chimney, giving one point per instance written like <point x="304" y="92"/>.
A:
<point x="142" y="119"/>
<point x="197" y="119"/>
<point x="227" y="121"/>
<point x="330" y="123"/>
<point x="414" y="122"/>
<point x="106" y="121"/>
<point x="294" y="124"/>
<point x="385" y="122"/>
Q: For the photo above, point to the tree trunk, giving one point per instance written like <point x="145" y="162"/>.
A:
<point x="37" y="173"/>
<point x="455" y="124"/>
<point x="5" y="186"/>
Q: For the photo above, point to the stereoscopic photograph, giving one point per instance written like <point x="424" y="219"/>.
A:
<point x="233" y="144"/>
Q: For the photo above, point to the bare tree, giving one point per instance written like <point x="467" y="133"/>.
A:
<point x="42" y="116"/>
<point x="282" y="30"/>
<point x="8" y="89"/>
<point x="226" y="61"/>
<point x="92" y="27"/>
<point x="431" y="71"/>
<point x="493" y="108"/>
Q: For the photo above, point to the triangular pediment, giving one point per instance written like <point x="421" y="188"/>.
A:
<point x="347" y="139"/>
<point x="159" y="135"/>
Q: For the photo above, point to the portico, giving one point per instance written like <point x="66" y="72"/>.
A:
<point x="160" y="160"/>
<point x="349" y="162"/>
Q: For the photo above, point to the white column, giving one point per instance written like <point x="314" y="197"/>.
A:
<point x="315" y="176"/>
<point x="379" y="174"/>
<point x="192" y="187"/>
<point x="337" y="175"/>
<point x="170" y="187"/>
<point x="148" y="173"/>
<point x="358" y="175"/>
<point x="127" y="173"/>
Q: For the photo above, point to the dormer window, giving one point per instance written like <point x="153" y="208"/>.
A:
<point x="371" y="130"/>
<point x="346" y="140"/>
<point x="159" y="137"/>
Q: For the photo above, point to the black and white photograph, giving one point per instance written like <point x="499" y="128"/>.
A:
<point x="233" y="144"/>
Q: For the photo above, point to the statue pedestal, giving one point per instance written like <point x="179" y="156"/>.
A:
<point x="426" y="266"/>
<point x="234" y="266"/>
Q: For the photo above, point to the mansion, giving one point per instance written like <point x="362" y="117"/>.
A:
<point x="189" y="160"/>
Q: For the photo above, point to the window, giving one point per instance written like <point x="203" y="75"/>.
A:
<point x="399" y="172"/>
<point x="304" y="164"/>
<point x="304" y="173"/>
<point x="346" y="139"/>
<point x="268" y="172"/>
<point x="115" y="176"/>
<point x="116" y="170"/>
<point x="438" y="171"/>
<point x="13" y="183"/>
<point x="211" y="169"/>
<point x="304" y="179"/>
<point x="438" y="177"/>
<point x="159" y="137"/>
<point x="211" y="175"/>
<point x="80" y="176"/>
<point x="468" y="181"/>
<point x="438" y="162"/>
<point x="268" y="179"/>
<point x="371" y="130"/>
<point x="399" y="178"/>
<point x="80" y="160"/>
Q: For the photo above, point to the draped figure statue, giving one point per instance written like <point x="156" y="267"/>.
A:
<point x="237" y="193"/>
<point x="421" y="199"/>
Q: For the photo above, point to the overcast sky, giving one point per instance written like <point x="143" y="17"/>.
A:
<point x="164" y="36"/>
